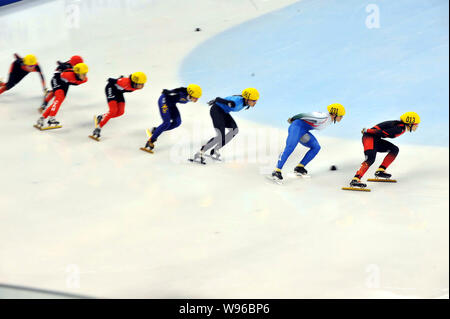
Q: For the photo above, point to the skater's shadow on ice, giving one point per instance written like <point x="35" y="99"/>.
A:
<point x="16" y="99"/>
<point x="85" y="124"/>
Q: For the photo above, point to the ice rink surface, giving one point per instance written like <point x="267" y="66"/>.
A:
<point x="108" y="220"/>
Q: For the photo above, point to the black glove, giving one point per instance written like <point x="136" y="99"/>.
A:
<point x="212" y="102"/>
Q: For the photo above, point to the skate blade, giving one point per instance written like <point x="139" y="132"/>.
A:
<point x="46" y="128"/>
<point x="386" y="180"/>
<point x="274" y="180"/>
<point x="196" y="161"/>
<point x="146" y="150"/>
<point x="94" y="138"/>
<point x="302" y="175"/>
<point x="214" y="158"/>
<point x="361" y="189"/>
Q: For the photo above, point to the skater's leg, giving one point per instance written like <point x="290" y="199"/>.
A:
<point x="49" y="96"/>
<point x="234" y="130"/>
<point x="385" y="146"/>
<point x="53" y="109"/>
<point x="294" y="133"/>
<point x="113" y="109"/>
<point x="165" y="112"/>
<point x="311" y="142"/>
<point x="370" y="153"/>
<point x="116" y="104"/>
<point x="217" y="116"/>
<point x="175" y="118"/>
<point x="215" y="141"/>
<point x="120" y="109"/>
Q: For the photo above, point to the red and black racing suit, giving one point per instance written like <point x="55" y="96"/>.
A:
<point x="17" y="72"/>
<point x="373" y="141"/>
<point x="60" y="84"/>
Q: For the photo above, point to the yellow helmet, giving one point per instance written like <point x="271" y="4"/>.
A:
<point x="194" y="90"/>
<point x="30" y="59"/>
<point x="139" y="77"/>
<point x="80" y="68"/>
<point x="410" y="118"/>
<point x="250" y="94"/>
<point x="336" y="109"/>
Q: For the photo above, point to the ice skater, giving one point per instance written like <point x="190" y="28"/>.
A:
<point x="20" y="69"/>
<point x="299" y="129"/>
<point x="373" y="142"/>
<point x="60" y="87"/>
<point x="221" y="118"/>
<point x="169" y="111"/>
<point x="61" y="67"/>
<point x="114" y="96"/>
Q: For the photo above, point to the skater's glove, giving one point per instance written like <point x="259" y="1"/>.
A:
<point x="211" y="103"/>
<point x="45" y="91"/>
<point x="290" y="120"/>
<point x="364" y="131"/>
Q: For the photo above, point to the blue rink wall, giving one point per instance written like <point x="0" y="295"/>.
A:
<point x="313" y="53"/>
<point x="5" y="2"/>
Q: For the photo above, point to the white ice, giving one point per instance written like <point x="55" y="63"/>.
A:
<point x="108" y="220"/>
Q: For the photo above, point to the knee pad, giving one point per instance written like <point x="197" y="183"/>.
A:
<point x="305" y="138"/>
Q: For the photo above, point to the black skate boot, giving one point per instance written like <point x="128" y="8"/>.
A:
<point x="149" y="145"/>
<point x="199" y="157"/>
<point x="43" y="107"/>
<point x="40" y="122"/>
<point x="96" y="133"/>
<point x="380" y="173"/>
<point x="52" y="121"/>
<point x="99" y="119"/>
<point x="357" y="183"/>
<point x="300" y="170"/>
<point x="276" y="176"/>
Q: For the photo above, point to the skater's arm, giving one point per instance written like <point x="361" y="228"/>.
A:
<point x="226" y="102"/>
<point x="174" y="91"/>
<point x="71" y="79"/>
<point x="311" y="115"/>
<point x="386" y="132"/>
<point x="296" y="117"/>
<point x="112" y="81"/>
<point x="62" y="66"/>
<point x="44" y="87"/>
<point x="174" y="96"/>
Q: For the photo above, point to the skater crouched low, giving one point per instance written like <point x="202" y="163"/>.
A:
<point x="373" y="142"/>
<point x="299" y="129"/>
<point x="221" y="118"/>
